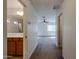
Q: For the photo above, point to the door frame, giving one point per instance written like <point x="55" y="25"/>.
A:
<point x="58" y="30"/>
<point x="4" y="29"/>
<point x="59" y="36"/>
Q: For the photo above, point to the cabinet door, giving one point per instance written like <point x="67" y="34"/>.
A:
<point x="19" y="47"/>
<point x="10" y="46"/>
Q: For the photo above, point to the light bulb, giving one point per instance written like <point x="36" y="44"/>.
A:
<point x="15" y="22"/>
<point x="20" y="13"/>
<point x="8" y="21"/>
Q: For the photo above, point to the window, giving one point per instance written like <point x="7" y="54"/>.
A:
<point x="51" y="28"/>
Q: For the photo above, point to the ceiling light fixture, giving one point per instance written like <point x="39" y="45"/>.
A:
<point x="20" y="13"/>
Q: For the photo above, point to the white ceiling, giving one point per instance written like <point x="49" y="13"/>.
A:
<point x="13" y="4"/>
<point x="42" y="7"/>
<point x="45" y="7"/>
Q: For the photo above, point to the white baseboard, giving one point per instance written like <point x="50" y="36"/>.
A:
<point x="32" y="50"/>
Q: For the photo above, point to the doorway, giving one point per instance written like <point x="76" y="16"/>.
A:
<point x="46" y="48"/>
<point x="60" y="30"/>
<point x="14" y="29"/>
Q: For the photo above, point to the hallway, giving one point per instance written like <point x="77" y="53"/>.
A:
<point x="47" y="49"/>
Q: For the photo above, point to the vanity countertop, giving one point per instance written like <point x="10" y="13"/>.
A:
<point x="14" y="34"/>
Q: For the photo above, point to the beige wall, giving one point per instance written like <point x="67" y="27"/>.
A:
<point x="30" y="29"/>
<point x="69" y="29"/>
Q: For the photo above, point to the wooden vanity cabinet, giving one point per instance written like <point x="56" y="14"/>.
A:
<point x="19" y="47"/>
<point x="15" y="46"/>
<point x="11" y="46"/>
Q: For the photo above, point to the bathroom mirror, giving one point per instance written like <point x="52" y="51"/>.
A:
<point x="14" y="24"/>
<point x="14" y="16"/>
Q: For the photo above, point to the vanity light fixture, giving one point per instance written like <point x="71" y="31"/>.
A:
<point x="15" y="22"/>
<point x="8" y="21"/>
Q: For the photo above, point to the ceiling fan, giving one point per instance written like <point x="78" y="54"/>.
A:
<point x="44" y="19"/>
